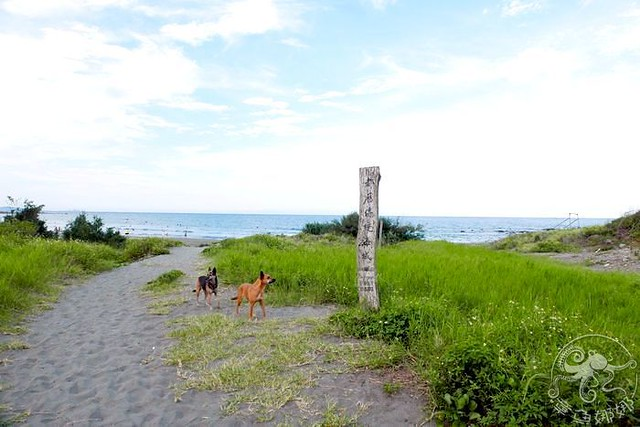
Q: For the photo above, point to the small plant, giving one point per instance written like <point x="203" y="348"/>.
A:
<point x="391" y="388"/>
<point x="165" y="283"/>
<point x="13" y="345"/>
<point x="163" y="307"/>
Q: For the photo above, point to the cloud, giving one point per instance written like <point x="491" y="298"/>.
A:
<point x="81" y="87"/>
<point x="293" y="42"/>
<point x="622" y="37"/>
<point x="39" y="8"/>
<point x="381" y="4"/>
<point x="239" y="18"/>
<point x="518" y="7"/>
<point x="266" y="102"/>
<point x="323" y="96"/>
<point x="192" y="105"/>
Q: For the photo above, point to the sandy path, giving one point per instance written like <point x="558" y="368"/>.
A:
<point x="95" y="359"/>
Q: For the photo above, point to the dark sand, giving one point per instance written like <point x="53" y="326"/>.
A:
<point x="95" y="359"/>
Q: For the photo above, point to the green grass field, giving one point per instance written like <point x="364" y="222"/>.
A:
<point x="482" y="326"/>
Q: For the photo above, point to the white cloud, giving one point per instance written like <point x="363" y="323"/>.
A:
<point x="266" y="102"/>
<point x="621" y="37"/>
<point x="381" y="4"/>
<point x="239" y="18"/>
<point x="192" y="105"/>
<point x="80" y="87"/>
<point x="519" y="7"/>
<point x="293" y="42"/>
<point x="39" y="8"/>
<point x="323" y="96"/>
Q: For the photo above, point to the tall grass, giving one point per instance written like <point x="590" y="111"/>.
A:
<point x="479" y="324"/>
<point x="307" y="271"/>
<point x="32" y="269"/>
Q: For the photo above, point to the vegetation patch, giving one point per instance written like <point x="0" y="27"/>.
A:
<point x="623" y="230"/>
<point x="481" y="327"/>
<point x="164" y="284"/>
<point x="13" y="345"/>
<point x="33" y="270"/>
<point x="392" y="230"/>
<point x="265" y="365"/>
<point x="165" y="306"/>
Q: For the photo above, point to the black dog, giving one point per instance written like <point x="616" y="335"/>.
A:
<point x="209" y="285"/>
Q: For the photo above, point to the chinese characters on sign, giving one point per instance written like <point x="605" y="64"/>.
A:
<point x="368" y="236"/>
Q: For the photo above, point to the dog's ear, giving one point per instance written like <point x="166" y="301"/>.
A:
<point x="261" y="275"/>
<point x="214" y="271"/>
<point x="209" y="270"/>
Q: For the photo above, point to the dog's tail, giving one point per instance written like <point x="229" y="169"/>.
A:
<point x="193" y="290"/>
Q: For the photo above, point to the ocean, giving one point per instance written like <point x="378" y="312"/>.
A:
<point x="222" y="226"/>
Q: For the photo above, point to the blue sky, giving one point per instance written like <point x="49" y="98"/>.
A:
<point x="470" y="108"/>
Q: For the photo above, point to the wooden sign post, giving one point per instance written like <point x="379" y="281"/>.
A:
<point x="367" y="237"/>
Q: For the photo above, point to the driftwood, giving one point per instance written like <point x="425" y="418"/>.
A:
<point x="367" y="237"/>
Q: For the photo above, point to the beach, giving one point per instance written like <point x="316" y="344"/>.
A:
<point x="95" y="359"/>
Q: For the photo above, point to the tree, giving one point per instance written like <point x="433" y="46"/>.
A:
<point x="83" y="229"/>
<point x="30" y="212"/>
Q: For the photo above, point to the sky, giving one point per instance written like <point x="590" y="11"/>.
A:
<point x="470" y="108"/>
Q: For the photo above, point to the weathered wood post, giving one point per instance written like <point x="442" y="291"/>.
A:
<point x="367" y="237"/>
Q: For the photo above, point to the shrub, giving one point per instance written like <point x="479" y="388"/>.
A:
<point x="83" y="229"/>
<point x="392" y="231"/>
<point x="318" y="228"/>
<point x="29" y="214"/>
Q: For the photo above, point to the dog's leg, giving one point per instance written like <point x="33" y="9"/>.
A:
<point x="264" y="313"/>
<point x="251" y="304"/>
<point x="197" y="291"/>
<point x="238" y="304"/>
<point x="208" y="298"/>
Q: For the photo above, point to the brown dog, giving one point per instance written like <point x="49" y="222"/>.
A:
<point x="254" y="293"/>
<point x="209" y="285"/>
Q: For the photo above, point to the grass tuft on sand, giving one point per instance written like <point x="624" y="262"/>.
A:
<point x="265" y="365"/>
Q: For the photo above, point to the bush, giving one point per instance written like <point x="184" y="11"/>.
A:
<point x="82" y="229"/>
<point x="19" y="218"/>
<point x="392" y="231"/>
<point x="318" y="228"/>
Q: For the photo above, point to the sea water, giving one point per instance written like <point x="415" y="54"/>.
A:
<point x="222" y="226"/>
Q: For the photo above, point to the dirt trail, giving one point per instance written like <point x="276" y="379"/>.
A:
<point x="96" y="359"/>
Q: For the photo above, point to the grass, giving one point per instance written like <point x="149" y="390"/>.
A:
<point x="263" y="366"/>
<point x="164" y="284"/>
<point x="13" y="345"/>
<point x="495" y="319"/>
<point x="623" y="230"/>
<point x="163" y="291"/>
<point x="33" y="270"/>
